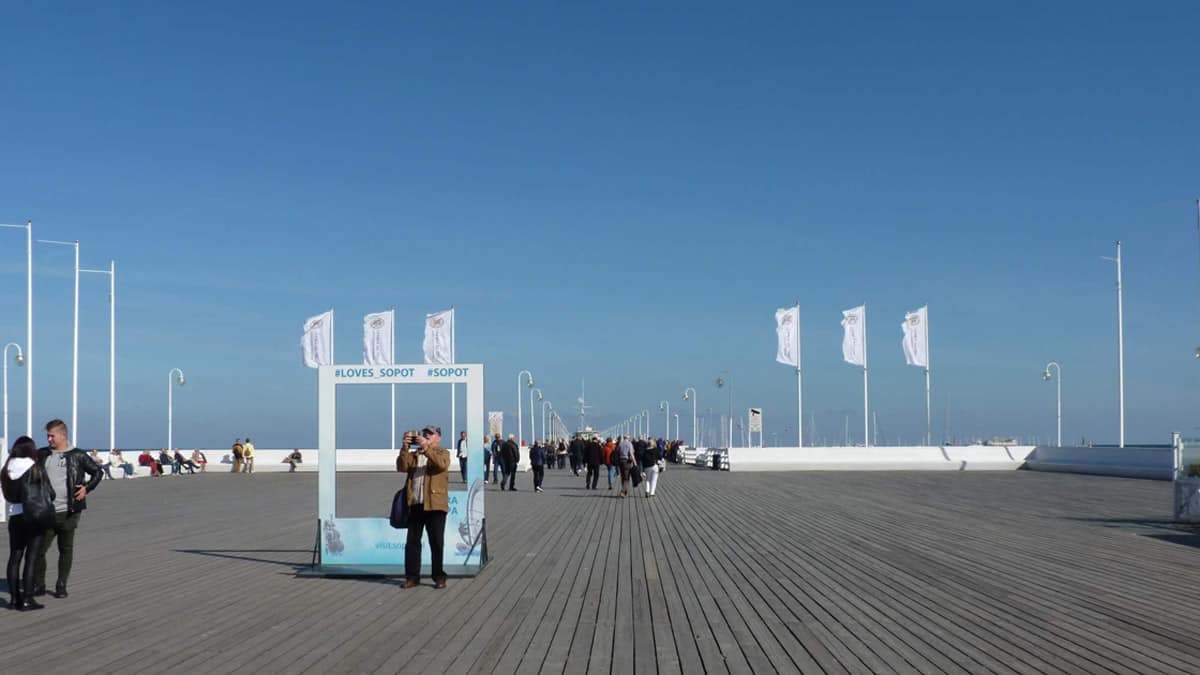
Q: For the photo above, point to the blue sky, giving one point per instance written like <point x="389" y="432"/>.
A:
<point x="614" y="192"/>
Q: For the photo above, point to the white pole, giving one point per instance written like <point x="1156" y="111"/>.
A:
<point x="454" y="387"/>
<point x="392" y="356"/>
<point x="29" y="328"/>
<point x="532" y="419"/>
<point x="677" y="432"/>
<point x="695" y="435"/>
<point x="75" y="359"/>
<point x="928" y="361"/>
<point x="1059" y="368"/>
<point x="667" y="435"/>
<point x="520" y="430"/>
<point x="866" y="398"/>
<point x="7" y="440"/>
<point x="1121" y="343"/>
<point x="28" y="227"/>
<point x="799" y="386"/>
<point x="112" y="355"/>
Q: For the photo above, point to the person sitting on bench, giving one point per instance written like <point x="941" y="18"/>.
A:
<point x="293" y="459"/>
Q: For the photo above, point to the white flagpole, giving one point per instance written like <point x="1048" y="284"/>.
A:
<point x="866" y="400"/>
<point x="928" y="360"/>
<point x="393" y="360"/>
<point x="799" y="386"/>
<point x="453" y="359"/>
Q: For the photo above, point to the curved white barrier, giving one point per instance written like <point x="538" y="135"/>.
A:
<point x="883" y="458"/>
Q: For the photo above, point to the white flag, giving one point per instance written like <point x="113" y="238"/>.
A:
<point x="495" y="423"/>
<point x="854" y="347"/>
<point x="916" y="337"/>
<point x="787" y="329"/>
<point x="377" y="338"/>
<point x="439" y="337"/>
<point x="317" y="343"/>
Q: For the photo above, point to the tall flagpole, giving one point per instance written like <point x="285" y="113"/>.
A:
<point x="453" y="387"/>
<point x="928" y="418"/>
<point x="866" y="400"/>
<point x="393" y="361"/>
<point x="799" y="386"/>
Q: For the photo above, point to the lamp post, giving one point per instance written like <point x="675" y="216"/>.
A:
<point x="1120" y="345"/>
<point x="20" y="362"/>
<point x="520" y="431"/>
<point x="171" y="405"/>
<point x="721" y="382"/>
<point x="663" y="405"/>
<point x="646" y="428"/>
<point x="75" y="343"/>
<point x="532" y="426"/>
<point x="112" y="351"/>
<point x="1046" y="375"/>
<point x="545" y="404"/>
<point x="676" y="436"/>
<point x="695" y="438"/>
<point x="28" y="227"/>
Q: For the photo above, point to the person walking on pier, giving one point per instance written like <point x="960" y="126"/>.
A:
<point x="510" y="454"/>
<point x="650" y="459"/>
<point x="237" y="455"/>
<point x="625" y="459"/>
<point x="576" y="450"/>
<point x="593" y="455"/>
<point x="610" y="460"/>
<point x="537" y="460"/>
<point x="497" y="461"/>
<point x="247" y="456"/>
<point x="461" y="449"/>
<point x="487" y="458"/>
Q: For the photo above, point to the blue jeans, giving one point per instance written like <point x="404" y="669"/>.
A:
<point x="612" y="473"/>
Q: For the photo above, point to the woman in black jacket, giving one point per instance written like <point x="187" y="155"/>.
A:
<point x="30" y="498"/>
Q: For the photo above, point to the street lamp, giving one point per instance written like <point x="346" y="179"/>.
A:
<point x="171" y="405"/>
<point x="695" y="438"/>
<point x="1120" y="343"/>
<point x="75" y="344"/>
<point x="646" y="414"/>
<point x="520" y="431"/>
<point x="1046" y="375"/>
<point x="677" y="436"/>
<point x="663" y="405"/>
<point x="20" y="362"/>
<point x="28" y="227"/>
<point x="546" y="404"/>
<point x="112" y="351"/>
<point x="721" y="382"/>
<point x="532" y="426"/>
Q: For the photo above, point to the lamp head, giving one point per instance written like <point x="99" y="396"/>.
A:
<point x="181" y="380"/>
<point x="686" y="396"/>
<point x="1046" y="374"/>
<point x="720" y="382"/>
<point x="530" y="385"/>
<point x="1197" y="353"/>
<point x="662" y="406"/>
<point x="21" y="359"/>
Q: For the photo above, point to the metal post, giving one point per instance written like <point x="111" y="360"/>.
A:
<point x="20" y="361"/>
<point x="1121" y="342"/>
<point x="928" y="362"/>
<point x="799" y="386"/>
<point x="112" y="349"/>
<point x="28" y="227"/>
<point x="171" y="406"/>
<point x="866" y="397"/>
<point x="520" y="430"/>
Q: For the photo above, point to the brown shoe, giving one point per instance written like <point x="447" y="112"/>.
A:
<point x="441" y="583"/>
<point x="409" y="583"/>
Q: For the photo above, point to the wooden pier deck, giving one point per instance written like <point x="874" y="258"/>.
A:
<point x="813" y="572"/>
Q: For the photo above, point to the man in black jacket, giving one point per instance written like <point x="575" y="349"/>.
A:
<point x="593" y="455"/>
<point x="67" y="468"/>
<point x="576" y="450"/>
<point x="510" y="454"/>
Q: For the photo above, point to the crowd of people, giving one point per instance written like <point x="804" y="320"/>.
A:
<point x="626" y="460"/>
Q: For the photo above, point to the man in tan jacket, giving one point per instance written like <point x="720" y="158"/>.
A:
<point x="428" y="484"/>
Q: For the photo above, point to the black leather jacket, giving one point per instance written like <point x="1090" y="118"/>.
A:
<point x="78" y="465"/>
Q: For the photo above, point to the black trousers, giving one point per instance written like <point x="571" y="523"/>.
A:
<point x="510" y="473"/>
<point x="433" y="523"/>
<point x="462" y="464"/>
<point x="539" y="474"/>
<point x="593" y="476"/>
<point x="64" y="531"/>
<point x="24" y="542"/>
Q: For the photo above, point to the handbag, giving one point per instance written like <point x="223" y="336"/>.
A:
<point x="37" y="498"/>
<point x="399" y="514"/>
<point x="635" y="475"/>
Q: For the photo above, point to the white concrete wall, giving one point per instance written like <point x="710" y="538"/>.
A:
<point x="1127" y="462"/>
<point x="885" y="458"/>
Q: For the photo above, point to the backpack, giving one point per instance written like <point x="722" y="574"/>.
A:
<point x="237" y="452"/>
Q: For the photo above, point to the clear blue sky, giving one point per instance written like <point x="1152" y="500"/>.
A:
<point x="611" y="192"/>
